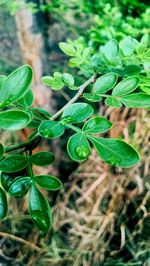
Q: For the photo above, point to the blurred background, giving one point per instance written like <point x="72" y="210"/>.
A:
<point x="102" y="214"/>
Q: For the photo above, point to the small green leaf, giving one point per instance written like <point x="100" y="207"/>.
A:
<point x="113" y="102"/>
<point x="13" y="163"/>
<point x="128" y="45"/>
<point x="105" y="83"/>
<point x="68" y="79"/>
<point x="2" y="150"/>
<point x="136" y="100"/>
<point x="78" y="147"/>
<point x="132" y="70"/>
<point x="115" y="152"/>
<point x="42" y="158"/>
<point x="14" y="119"/>
<point x="39" y="209"/>
<point x="3" y="204"/>
<point x="97" y="124"/>
<point x="20" y="186"/>
<point x="8" y="178"/>
<point x="92" y="97"/>
<point x="67" y="48"/>
<point x="48" y="182"/>
<point x="40" y="113"/>
<point x="110" y="49"/>
<point x="56" y="82"/>
<point x="16" y="85"/>
<point x="78" y="112"/>
<point x="126" y="86"/>
<point x="27" y="99"/>
<point x="51" y="129"/>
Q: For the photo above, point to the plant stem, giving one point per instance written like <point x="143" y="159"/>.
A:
<point x="75" y="98"/>
<point x="74" y="128"/>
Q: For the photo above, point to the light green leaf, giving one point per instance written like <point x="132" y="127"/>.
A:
<point x="78" y="112"/>
<point x="48" y="182"/>
<point x="110" y="49"/>
<point x="128" y="45"/>
<point x="97" y="124"/>
<point x="14" y="119"/>
<point x="68" y="49"/>
<point x="126" y="86"/>
<point x="105" y="83"/>
<point x="78" y="147"/>
<point x="113" y="102"/>
<point x="68" y="79"/>
<point x="92" y="97"/>
<point x="136" y="100"/>
<point x="51" y="129"/>
<point x="115" y="152"/>
<point x="2" y="79"/>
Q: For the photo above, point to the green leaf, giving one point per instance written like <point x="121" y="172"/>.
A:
<point x="56" y="82"/>
<point x="105" y="83"/>
<point x="8" y="178"/>
<point x="40" y="114"/>
<point x="128" y="45"/>
<point x="92" y="97"/>
<point x="132" y="70"/>
<point x="39" y="209"/>
<point x="78" y="147"/>
<point x="2" y="79"/>
<point x="27" y="99"/>
<point x="2" y="150"/>
<point x="20" y="186"/>
<point x="115" y="152"/>
<point x="67" y="48"/>
<point x="15" y="85"/>
<point x="3" y="204"/>
<point x="78" y="112"/>
<point x="97" y="124"/>
<point x="113" y="102"/>
<point x="14" y="119"/>
<point x="110" y="49"/>
<point x="51" y="129"/>
<point x="68" y="79"/>
<point x="42" y="158"/>
<point x="48" y="182"/>
<point x="13" y="163"/>
<point x="136" y="100"/>
<point x="126" y="86"/>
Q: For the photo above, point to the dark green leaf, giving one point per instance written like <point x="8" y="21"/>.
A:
<point x="8" y="178"/>
<point x="132" y="70"/>
<point x="2" y="149"/>
<point x="48" y="182"/>
<point x="39" y="209"/>
<point x="67" y="48"/>
<point x="14" y="119"/>
<point x="113" y="102"/>
<point x="110" y="50"/>
<point x="136" y="100"/>
<point x="20" y="186"/>
<point x="35" y="123"/>
<point x="13" y="163"/>
<point x="97" y="124"/>
<point x="51" y="129"/>
<point x="115" y="152"/>
<point x="126" y="86"/>
<point x="105" y="83"/>
<point x="3" y="204"/>
<point x="40" y="113"/>
<point x="78" y="147"/>
<point x="78" y="112"/>
<point x="16" y="85"/>
<point x="42" y="158"/>
<point x="92" y="97"/>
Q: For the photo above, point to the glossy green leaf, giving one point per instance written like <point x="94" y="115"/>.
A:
<point x="3" y="204"/>
<point x="55" y="82"/>
<point x="115" y="152"/>
<point x="48" y="182"/>
<point x="132" y="70"/>
<point x="126" y="86"/>
<point x="40" y="113"/>
<point x="13" y="163"/>
<point x="113" y="102"/>
<point x="51" y="129"/>
<point x="39" y="209"/>
<point x="105" y="83"/>
<point x="110" y="49"/>
<point x="68" y="79"/>
<point x="136" y="100"/>
<point x="2" y="149"/>
<point x="67" y="48"/>
<point x="42" y="158"/>
<point x="27" y="99"/>
<point x="78" y="112"/>
<point x="16" y="85"/>
<point x="92" y="97"/>
<point x="2" y="79"/>
<point x="20" y="186"/>
<point x="78" y="147"/>
<point x="127" y="45"/>
<point x="8" y="178"/>
<point x="14" y="119"/>
<point x="97" y="124"/>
